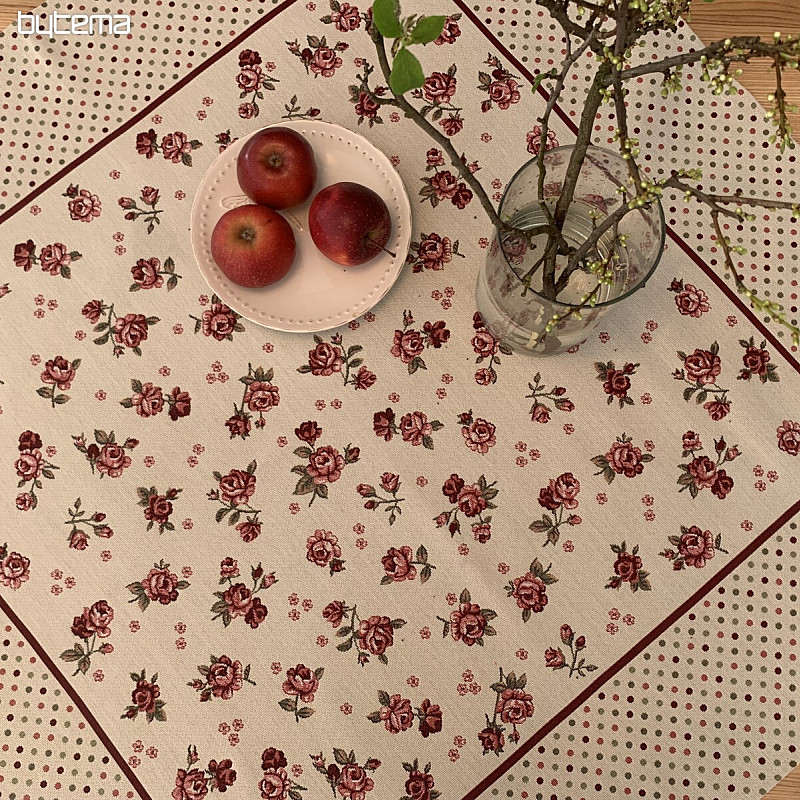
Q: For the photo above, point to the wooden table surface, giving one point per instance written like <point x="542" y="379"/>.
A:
<point x="711" y="21"/>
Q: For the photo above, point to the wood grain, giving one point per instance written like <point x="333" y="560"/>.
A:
<point x="710" y="21"/>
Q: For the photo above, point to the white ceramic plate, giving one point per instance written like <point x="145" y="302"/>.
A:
<point x="317" y="294"/>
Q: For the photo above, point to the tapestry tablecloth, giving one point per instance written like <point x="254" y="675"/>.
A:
<point x="392" y="559"/>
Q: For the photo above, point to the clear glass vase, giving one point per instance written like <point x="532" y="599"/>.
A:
<point x="518" y="317"/>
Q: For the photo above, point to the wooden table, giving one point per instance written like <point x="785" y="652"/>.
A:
<point x="711" y="21"/>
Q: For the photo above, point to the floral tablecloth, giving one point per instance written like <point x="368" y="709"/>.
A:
<point x="391" y="560"/>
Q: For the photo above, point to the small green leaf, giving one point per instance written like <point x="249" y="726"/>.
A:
<point x="385" y="14"/>
<point x="427" y="29"/>
<point x="407" y="73"/>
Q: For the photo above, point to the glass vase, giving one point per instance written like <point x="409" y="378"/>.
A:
<point x="517" y="315"/>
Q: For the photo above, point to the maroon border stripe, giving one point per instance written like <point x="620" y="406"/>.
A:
<point x="609" y="673"/>
<point x="75" y="697"/>
<point x="223" y="51"/>
<point x="708" y="270"/>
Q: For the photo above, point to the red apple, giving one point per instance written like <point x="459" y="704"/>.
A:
<point x="349" y="223"/>
<point x="276" y="168"/>
<point x="253" y="245"/>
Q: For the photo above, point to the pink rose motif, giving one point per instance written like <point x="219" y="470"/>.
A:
<point x="375" y="634"/>
<point x="149" y="195"/>
<point x="354" y="783"/>
<point x="325" y="62"/>
<point x="146" y="143"/>
<point x="415" y="427"/>
<point x="366" y="106"/>
<point x="249" y="79"/>
<point x="92" y="310"/>
<point x="419" y="785"/>
<point x="702" y="367"/>
<point x="159" y="508"/>
<point x="237" y="487"/>
<point x="723" y="483"/>
<point x="691" y="441"/>
<point x="301" y="682"/>
<point x="449" y="34"/>
<point x="717" y="409"/>
<point x="789" y="437"/>
<point x="398" y="715"/>
<point x="484" y="344"/>
<point x="703" y="472"/>
<point x="325" y="465"/>
<point x="98" y="618"/>
<point x="439" y="87"/>
<point x="514" y="706"/>
<point x="755" y="360"/>
<point x="470" y="500"/>
<point x="24" y="501"/>
<point x="249" y="530"/>
<point x="334" y="613"/>
<point x="218" y="321"/>
<point x="174" y="146"/>
<point x="248" y="111"/>
<point x="322" y="548"/>
<point x="225" y="677"/>
<point x="181" y="404"/>
<point x="435" y="251"/>
<point x="14" y="570"/>
<point x="434" y="157"/>
<point x="540" y="414"/>
<point x="397" y="564"/>
<point x="444" y="184"/>
<point x="191" y="785"/>
<point x="504" y="92"/>
<point x="462" y="196"/>
<point x="534" y="139"/>
<point x="565" y="490"/>
<point x="382" y="422"/>
<point x="697" y="547"/>
<point x="529" y="592"/>
<point x="130" y="330"/>
<point x="275" y="784"/>
<point x="479" y="436"/>
<point x="261" y="396"/>
<point x="346" y="18"/>
<point x="112" y="460"/>
<point x="691" y="301"/>
<point x="249" y="58"/>
<point x="53" y="257"/>
<point x="148" y="401"/>
<point x="58" y="371"/>
<point x="161" y="586"/>
<point x="467" y="624"/>
<point x="625" y="459"/>
<point x="451" y="125"/>
<point x="145" y="273"/>
<point x="239" y="599"/>
<point x="23" y="253"/>
<point x="553" y="658"/>
<point x="407" y="345"/>
<point x="84" y="207"/>
<point x="325" y="359"/>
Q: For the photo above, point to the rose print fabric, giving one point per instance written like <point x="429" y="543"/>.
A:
<point x="396" y="531"/>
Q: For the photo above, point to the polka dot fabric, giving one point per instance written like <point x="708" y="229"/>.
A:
<point x="49" y="751"/>
<point x="708" y="710"/>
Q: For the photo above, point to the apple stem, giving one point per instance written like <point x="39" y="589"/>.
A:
<point x="369" y="238"/>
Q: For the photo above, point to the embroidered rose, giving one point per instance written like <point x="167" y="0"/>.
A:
<point x="398" y="715"/>
<point x="529" y="592"/>
<point x="301" y="682"/>
<point x="414" y="427"/>
<point x="261" y="396"/>
<point x="397" y="564"/>
<point x="53" y="257"/>
<point x="439" y="87"/>
<point x="130" y="330"/>
<point x="29" y="465"/>
<point x="325" y="62"/>
<point x="479" y="435"/>
<point x="354" y="782"/>
<point x="145" y="695"/>
<point x="625" y="459"/>
<point x="238" y="598"/>
<point x="14" y="570"/>
<point x="334" y="613"/>
<point x="504" y="92"/>
<point x="325" y="359"/>
<point x="322" y="548"/>
<point x="789" y="437"/>
<point x="225" y="677"/>
<point x="145" y="273"/>
<point x="696" y="546"/>
<point x="470" y="500"/>
<point x="627" y="566"/>
<point x="237" y="487"/>
<point x="275" y="784"/>
<point x="407" y="345"/>
<point x="617" y="383"/>
<point x="175" y="145"/>
<point x="702" y="366"/>
<point x="191" y="785"/>
<point x="514" y="706"/>
<point x="148" y="401"/>
<point x="703" y="471"/>
<point x="161" y="585"/>
<point x="418" y="785"/>
<point x="112" y="460"/>
<point x="467" y="623"/>
<point x="435" y="251"/>
<point x="375" y="634"/>
<point x="218" y="321"/>
<point x="691" y="301"/>
<point x="84" y="207"/>
<point x="325" y="465"/>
